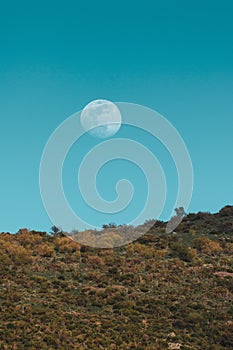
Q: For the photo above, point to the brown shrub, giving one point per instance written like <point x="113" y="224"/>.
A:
<point x="206" y="245"/>
<point x="141" y="249"/>
<point x="16" y="252"/>
<point x="28" y="239"/>
<point x="44" y="250"/>
<point x="95" y="261"/>
<point x="229" y="248"/>
<point x="66" y="245"/>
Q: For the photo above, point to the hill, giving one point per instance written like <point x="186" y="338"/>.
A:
<point x="163" y="291"/>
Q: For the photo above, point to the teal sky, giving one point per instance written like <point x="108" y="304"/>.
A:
<point x="173" y="56"/>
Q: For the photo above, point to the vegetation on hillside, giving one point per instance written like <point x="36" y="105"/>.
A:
<point x="163" y="291"/>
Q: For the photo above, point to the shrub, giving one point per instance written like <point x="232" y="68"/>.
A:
<point x="5" y="260"/>
<point x="192" y="231"/>
<point x="183" y="252"/>
<point x="23" y="231"/>
<point x="95" y="261"/>
<point x="28" y="239"/>
<point x="44" y="250"/>
<point x="206" y="245"/>
<point x="141" y="249"/>
<point x="109" y="240"/>
<point x="229" y="248"/>
<point x="17" y="253"/>
<point x="66" y="245"/>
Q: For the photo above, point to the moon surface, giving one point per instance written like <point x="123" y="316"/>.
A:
<point x="101" y="118"/>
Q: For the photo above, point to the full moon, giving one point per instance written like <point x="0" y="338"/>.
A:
<point x="101" y="118"/>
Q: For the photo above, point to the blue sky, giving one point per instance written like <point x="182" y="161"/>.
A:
<point x="55" y="57"/>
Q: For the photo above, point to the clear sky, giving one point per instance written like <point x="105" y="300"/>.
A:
<point x="173" y="56"/>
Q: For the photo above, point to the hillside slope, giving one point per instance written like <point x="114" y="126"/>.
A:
<point x="164" y="291"/>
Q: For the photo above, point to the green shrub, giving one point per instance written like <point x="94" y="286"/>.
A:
<point x="183" y="252"/>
